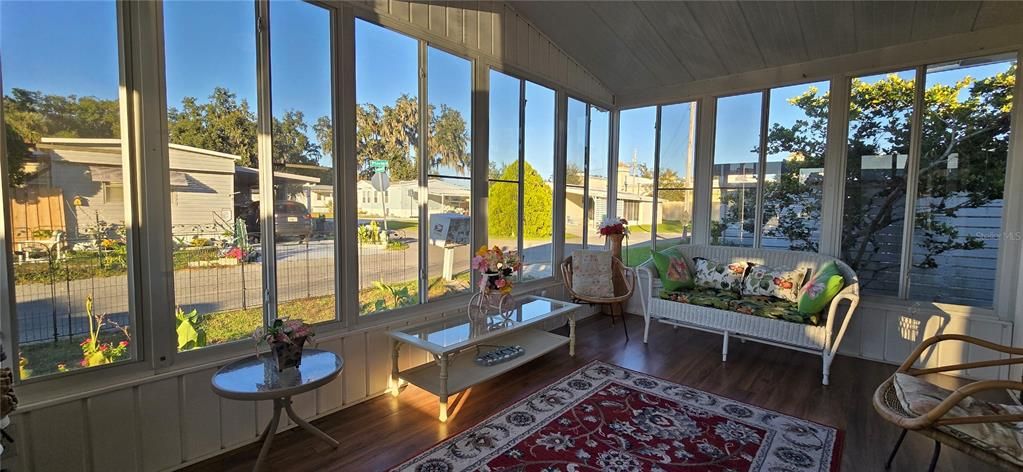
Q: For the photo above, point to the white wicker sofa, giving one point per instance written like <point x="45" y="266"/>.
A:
<point x="822" y="340"/>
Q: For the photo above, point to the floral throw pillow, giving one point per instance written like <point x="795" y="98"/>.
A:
<point x="591" y="273"/>
<point x="673" y="269"/>
<point x="718" y="275"/>
<point x="774" y="282"/>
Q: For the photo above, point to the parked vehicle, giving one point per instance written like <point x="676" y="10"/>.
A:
<point x="291" y="221"/>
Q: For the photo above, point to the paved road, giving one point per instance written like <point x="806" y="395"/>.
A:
<point x="304" y="270"/>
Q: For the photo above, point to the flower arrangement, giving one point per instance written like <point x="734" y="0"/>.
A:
<point x="286" y="338"/>
<point x="496" y="265"/>
<point x="613" y="225"/>
<point x="284" y="331"/>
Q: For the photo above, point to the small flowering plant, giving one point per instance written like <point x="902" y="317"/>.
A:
<point x="613" y="225"/>
<point x="496" y="266"/>
<point x="94" y="350"/>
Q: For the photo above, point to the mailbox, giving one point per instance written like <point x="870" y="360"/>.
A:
<point x="449" y="229"/>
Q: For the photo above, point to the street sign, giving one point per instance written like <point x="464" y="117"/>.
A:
<point x="380" y="182"/>
<point x="378" y="165"/>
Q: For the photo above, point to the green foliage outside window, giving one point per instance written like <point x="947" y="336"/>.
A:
<point x="538" y="205"/>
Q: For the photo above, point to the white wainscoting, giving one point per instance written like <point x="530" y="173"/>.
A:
<point x="176" y="420"/>
<point x="887" y="330"/>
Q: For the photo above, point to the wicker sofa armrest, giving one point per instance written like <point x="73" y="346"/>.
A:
<point x="645" y="272"/>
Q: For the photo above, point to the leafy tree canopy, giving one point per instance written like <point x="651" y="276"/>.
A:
<point x="538" y="204"/>
<point x="967" y="121"/>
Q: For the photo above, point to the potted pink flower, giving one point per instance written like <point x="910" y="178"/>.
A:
<point x="286" y="339"/>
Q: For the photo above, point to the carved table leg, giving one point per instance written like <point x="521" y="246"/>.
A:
<point x="571" y="334"/>
<point x="442" y="398"/>
<point x="394" y="382"/>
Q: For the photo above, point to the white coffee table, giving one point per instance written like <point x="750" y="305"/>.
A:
<point x="256" y="379"/>
<point x="453" y="342"/>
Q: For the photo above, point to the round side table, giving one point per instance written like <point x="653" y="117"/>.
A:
<point x="255" y="379"/>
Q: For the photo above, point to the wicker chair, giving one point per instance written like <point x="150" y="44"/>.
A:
<point x="934" y="424"/>
<point x="624" y="284"/>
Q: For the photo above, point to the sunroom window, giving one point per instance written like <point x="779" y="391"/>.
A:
<point x="521" y="172"/>
<point x="67" y="200"/>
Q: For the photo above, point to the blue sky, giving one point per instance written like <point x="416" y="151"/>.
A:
<point x="213" y="44"/>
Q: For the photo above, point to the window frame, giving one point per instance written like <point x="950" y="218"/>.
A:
<point x="355" y="317"/>
<point x="133" y="207"/>
<point x="587" y="154"/>
<point x="557" y="160"/>
<point x="1002" y="280"/>
<point x="694" y="125"/>
<point x="765" y="123"/>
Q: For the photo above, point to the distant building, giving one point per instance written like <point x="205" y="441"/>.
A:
<point x="77" y="186"/>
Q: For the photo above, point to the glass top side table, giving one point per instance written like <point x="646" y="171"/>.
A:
<point x="255" y="379"/>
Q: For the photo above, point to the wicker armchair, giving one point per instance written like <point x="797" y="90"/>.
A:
<point x="624" y="283"/>
<point x="936" y="423"/>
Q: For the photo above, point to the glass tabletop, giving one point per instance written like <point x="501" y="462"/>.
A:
<point x="456" y="332"/>
<point x="258" y="378"/>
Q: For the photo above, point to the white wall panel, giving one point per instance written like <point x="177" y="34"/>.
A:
<point x="58" y="434"/>
<point x="237" y="423"/>
<point x="112" y="437"/>
<point x="355" y="367"/>
<point x="159" y="419"/>
<point x="200" y="420"/>
<point x="330" y="397"/>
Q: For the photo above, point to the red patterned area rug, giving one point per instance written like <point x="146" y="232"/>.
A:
<point x="604" y="417"/>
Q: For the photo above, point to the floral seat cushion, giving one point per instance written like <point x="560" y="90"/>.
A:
<point x="763" y="306"/>
<point x="1002" y="439"/>
<point x="702" y="296"/>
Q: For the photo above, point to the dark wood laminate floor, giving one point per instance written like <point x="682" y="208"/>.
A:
<point x="384" y="431"/>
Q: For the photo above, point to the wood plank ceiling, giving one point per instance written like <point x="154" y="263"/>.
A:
<point x="638" y="45"/>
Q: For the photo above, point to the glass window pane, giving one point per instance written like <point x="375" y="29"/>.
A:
<point x="503" y="214"/>
<point x="449" y="85"/>
<point x="675" y="174"/>
<point x="636" y="180"/>
<point x="386" y="139"/>
<point x="880" y="108"/>
<point x="300" y="71"/>
<point x="504" y="126"/>
<point x="734" y="189"/>
<point x="959" y="202"/>
<point x="600" y="147"/>
<point x="211" y="119"/>
<point x="538" y="183"/>
<point x="575" y="177"/>
<point x="794" y="174"/>
<point x="65" y="164"/>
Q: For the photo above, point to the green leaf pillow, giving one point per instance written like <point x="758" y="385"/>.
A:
<point x="673" y="269"/>
<point x="818" y="292"/>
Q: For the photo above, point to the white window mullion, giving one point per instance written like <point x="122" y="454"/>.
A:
<point x="522" y="169"/>
<point x="912" y="169"/>
<point x="657" y="177"/>
<point x="703" y="180"/>
<point x="424" y="166"/>
<point x="835" y="155"/>
<point x="586" y="177"/>
<point x="143" y="122"/>
<point x="758" y="213"/>
<point x="264" y="143"/>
